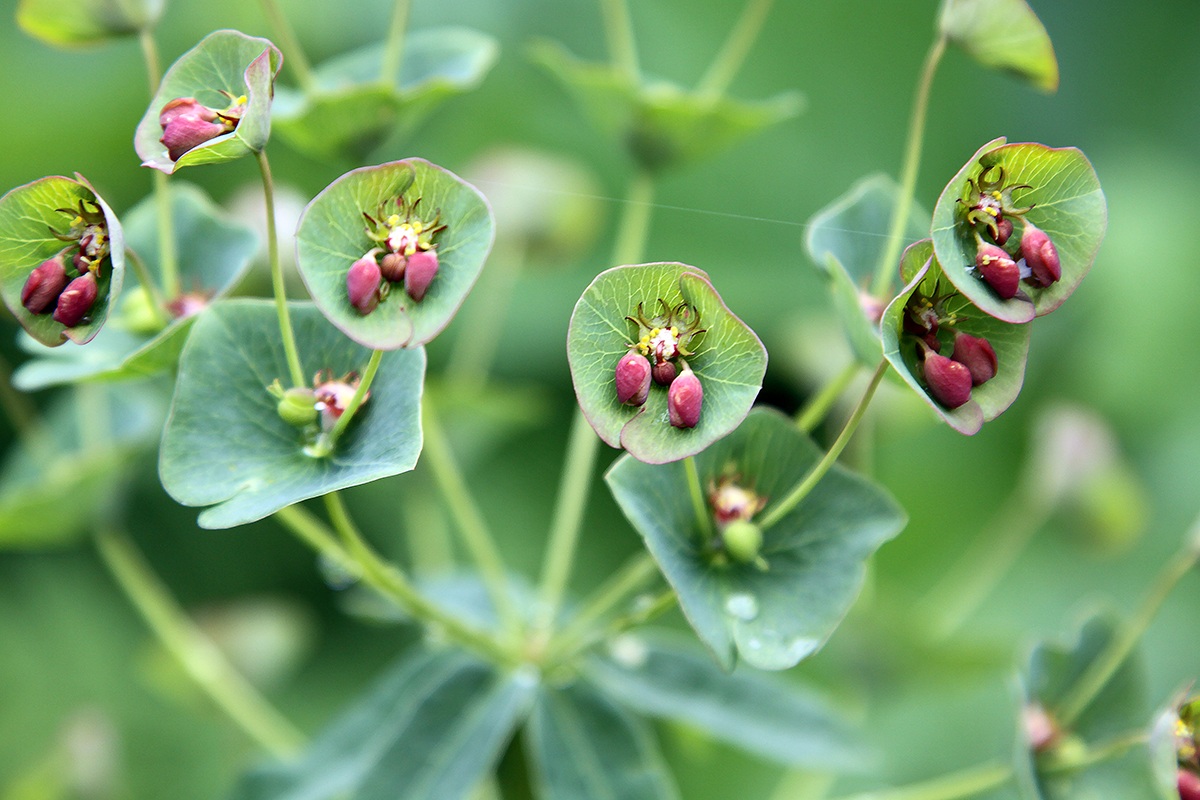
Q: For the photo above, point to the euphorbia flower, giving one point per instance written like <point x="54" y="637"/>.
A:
<point x="684" y="399"/>
<point x="187" y="123"/>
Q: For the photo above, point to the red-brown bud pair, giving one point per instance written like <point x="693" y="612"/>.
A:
<point x="43" y="286"/>
<point x="1041" y="256"/>
<point x="950" y="380"/>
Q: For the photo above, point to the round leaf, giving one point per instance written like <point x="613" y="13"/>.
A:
<point x="1068" y="205"/>
<point x="1009" y="340"/>
<point x="213" y="250"/>
<point x="225" y="444"/>
<point x="81" y="22"/>
<point x="332" y="236"/>
<point x="730" y="360"/>
<point x="1004" y="35"/>
<point x="815" y="555"/>
<point x="225" y="61"/>
<point x="28" y="215"/>
<point x="354" y="110"/>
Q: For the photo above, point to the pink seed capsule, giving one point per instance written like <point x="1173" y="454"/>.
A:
<point x="185" y="107"/>
<point x="186" y="132"/>
<point x="418" y="273"/>
<point x="684" y="400"/>
<point x="43" y="286"/>
<point x="664" y="373"/>
<point x="392" y="267"/>
<point x="633" y="379"/>
<point x="1188" y="785"/>
<point x="949" y="381"/>
<point x="998" y="269"/>
<point x="362" y="284"/>
<point x="1041" y="256"/>
<point x="1004" y="229"/>
<point x="76" y="300"/>
<point x="977" y="355"/>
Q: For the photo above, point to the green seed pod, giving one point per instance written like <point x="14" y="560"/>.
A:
<point x="297" y="407"/>
<point x="743" y="539"/>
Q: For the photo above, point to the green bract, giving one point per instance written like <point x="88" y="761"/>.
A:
<point x="84" y="22"/>
<point x="661" y="124"/>
<point x="846" y="240"/>
<point x="924" y="274"/>
<point x="356" y="108"/>
<point x="213" y="253"/>
<point x="29" y="215"/>
<point x="730" y="360"/>
<point x="225" y="445"/>
<point x="1067" y="204"/>
<point x="332" y="236"/>
<point x="224" y="66"/>
<point x="815" y="555"/>
<point x="1004" y="35"/>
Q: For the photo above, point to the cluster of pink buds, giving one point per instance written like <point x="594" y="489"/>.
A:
<point x="991" y="212"/>
<point x="734" y="507"/>
<point x="70" y="291"/>
<point x="972" y="361"/>
<point x="405" y="253"/>
<point x="188" y="123"/>
<point x="659" y="356"/>
<point x="325" y="402"/>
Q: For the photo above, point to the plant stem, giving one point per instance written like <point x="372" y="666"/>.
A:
<point x="618" y="29"/>
<point x="735" y="49"/>
<point x="393" y="48"/>
<point x="818" y="407"/>
<point x="21" y="412"/>
<point x="885" y="272"/>
<point x="568" y="516"/>
<point x="291" y="44"/>
<point x="150" y="57"/>
<point x="468" y="519"/>
<point x="281" y="308"/>
<point x="317" y="535"/>
<point x="1100" y="671"/>
<point x="696" y="492"/>
<point x="156" y="297"/>
<point x="168" y="259"/>
<point x="195" y="652"/>
<point x="356" y="401"/>
<point x="781" y="509"/>
<point x="634" y="225"/>
<point x="612" y="593"/>
<point x="425" y="529"/>
<point x="965" y="783"/>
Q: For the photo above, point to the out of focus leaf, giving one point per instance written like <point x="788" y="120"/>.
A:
<point x="1004" y="35"/>
<point x="68" y="23"/>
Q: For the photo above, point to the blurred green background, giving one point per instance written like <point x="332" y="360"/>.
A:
<point x="78" y="671"/>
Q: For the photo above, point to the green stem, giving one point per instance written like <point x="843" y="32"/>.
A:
<point x="618" y="29"/>
<point x="818" y="407"/>
<point x="329" y="441"/>
<point x="568" y="517"/>
<point x="21" y="412"/>
<point x="393" y="48"/>
<point x="966" y="783"/>
<point x="358" y="559"/>
<point x="425" y="529"/>
<point x="733" y="53"/>
<point x="1100" y="671"/>
<point x="634" y="225"/>
<point x="476" y="536"/>
<point x="696" y="493"/>
<point x="294" y="54"/>
<point x="168" y="260"/>
<point x="281" y="307"/>
<point x="887" y="269"/>
<point x="156" y="297"/>
<point x="150" y="57"/>
<point x="631" y="577"/>
<point x="200" y="658"/>
<point x="781" y="509"/>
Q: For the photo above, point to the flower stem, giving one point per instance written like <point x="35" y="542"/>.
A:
<point x="393" y="49"/>
<point x="150" y="57"/>
<point x="281" y="307"/>
<point x="631" y="577"/>
<point x="21" y="412"/>
<point x="568" y="517"/>
<point x="886" y="271"/>
<point x="475" y="533"/>
<point x="168" y="259"/>
<point x="291" y="44"/>
<point x="634" y="225"/>
<point x="781" y="509"/>
<point x="618" y="29"/>
<point x="696" y="492"/>
<point x="356" y="401"/>
<point x="818" y="407"/>
<point x="195" y="652"/>
<point x="1109" y="660"/>
<point x="156" y="297"/>
<point x="735" y="49"/>
<point x="966" y="783"/>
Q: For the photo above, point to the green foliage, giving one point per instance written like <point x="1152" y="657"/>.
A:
<point x="69" y="23"/>
<point x="1004" y="35"/>
<point x="226" y="447"/>
<point x="815" y="555"/>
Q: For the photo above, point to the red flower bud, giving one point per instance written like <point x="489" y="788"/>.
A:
<point x="684" y="399"/>
<point x="188" y="304"/>
<point x="1041" y="256"/>
<point x="419" y="271"/>
<point x="664" y="373"/>
<point x="43" y="286"/>
<point x="186" y="132"/>
<point x="977" y="355"/>
<point x="362" y="284"/>
<point x="949" y="381"/>
<point x="1004" y="229"/>
<point x="998" y="269"/>
<point x="76" y="300"/>
<point x="392" y="266"/>
<point x="185" y="107"/>
<point x="633" y="379"/>
<point x="1189" y="785"/>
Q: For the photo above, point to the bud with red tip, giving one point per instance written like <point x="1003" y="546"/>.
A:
<point x="633" y="379"/>
<point x="977" y="355"/>
<point x="1189" y="785"/>
<point x="422" y="266"/>
<point x="43" y="286"/>
<point x="362" y="284"/>
<point x="76" y="300"/>
<point x="664" y="373"/>
<point x="1041" y="256"/>
<point x="998" y="269"/>
<point x="949" y="381"/>
<point x="684" y="399"/>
